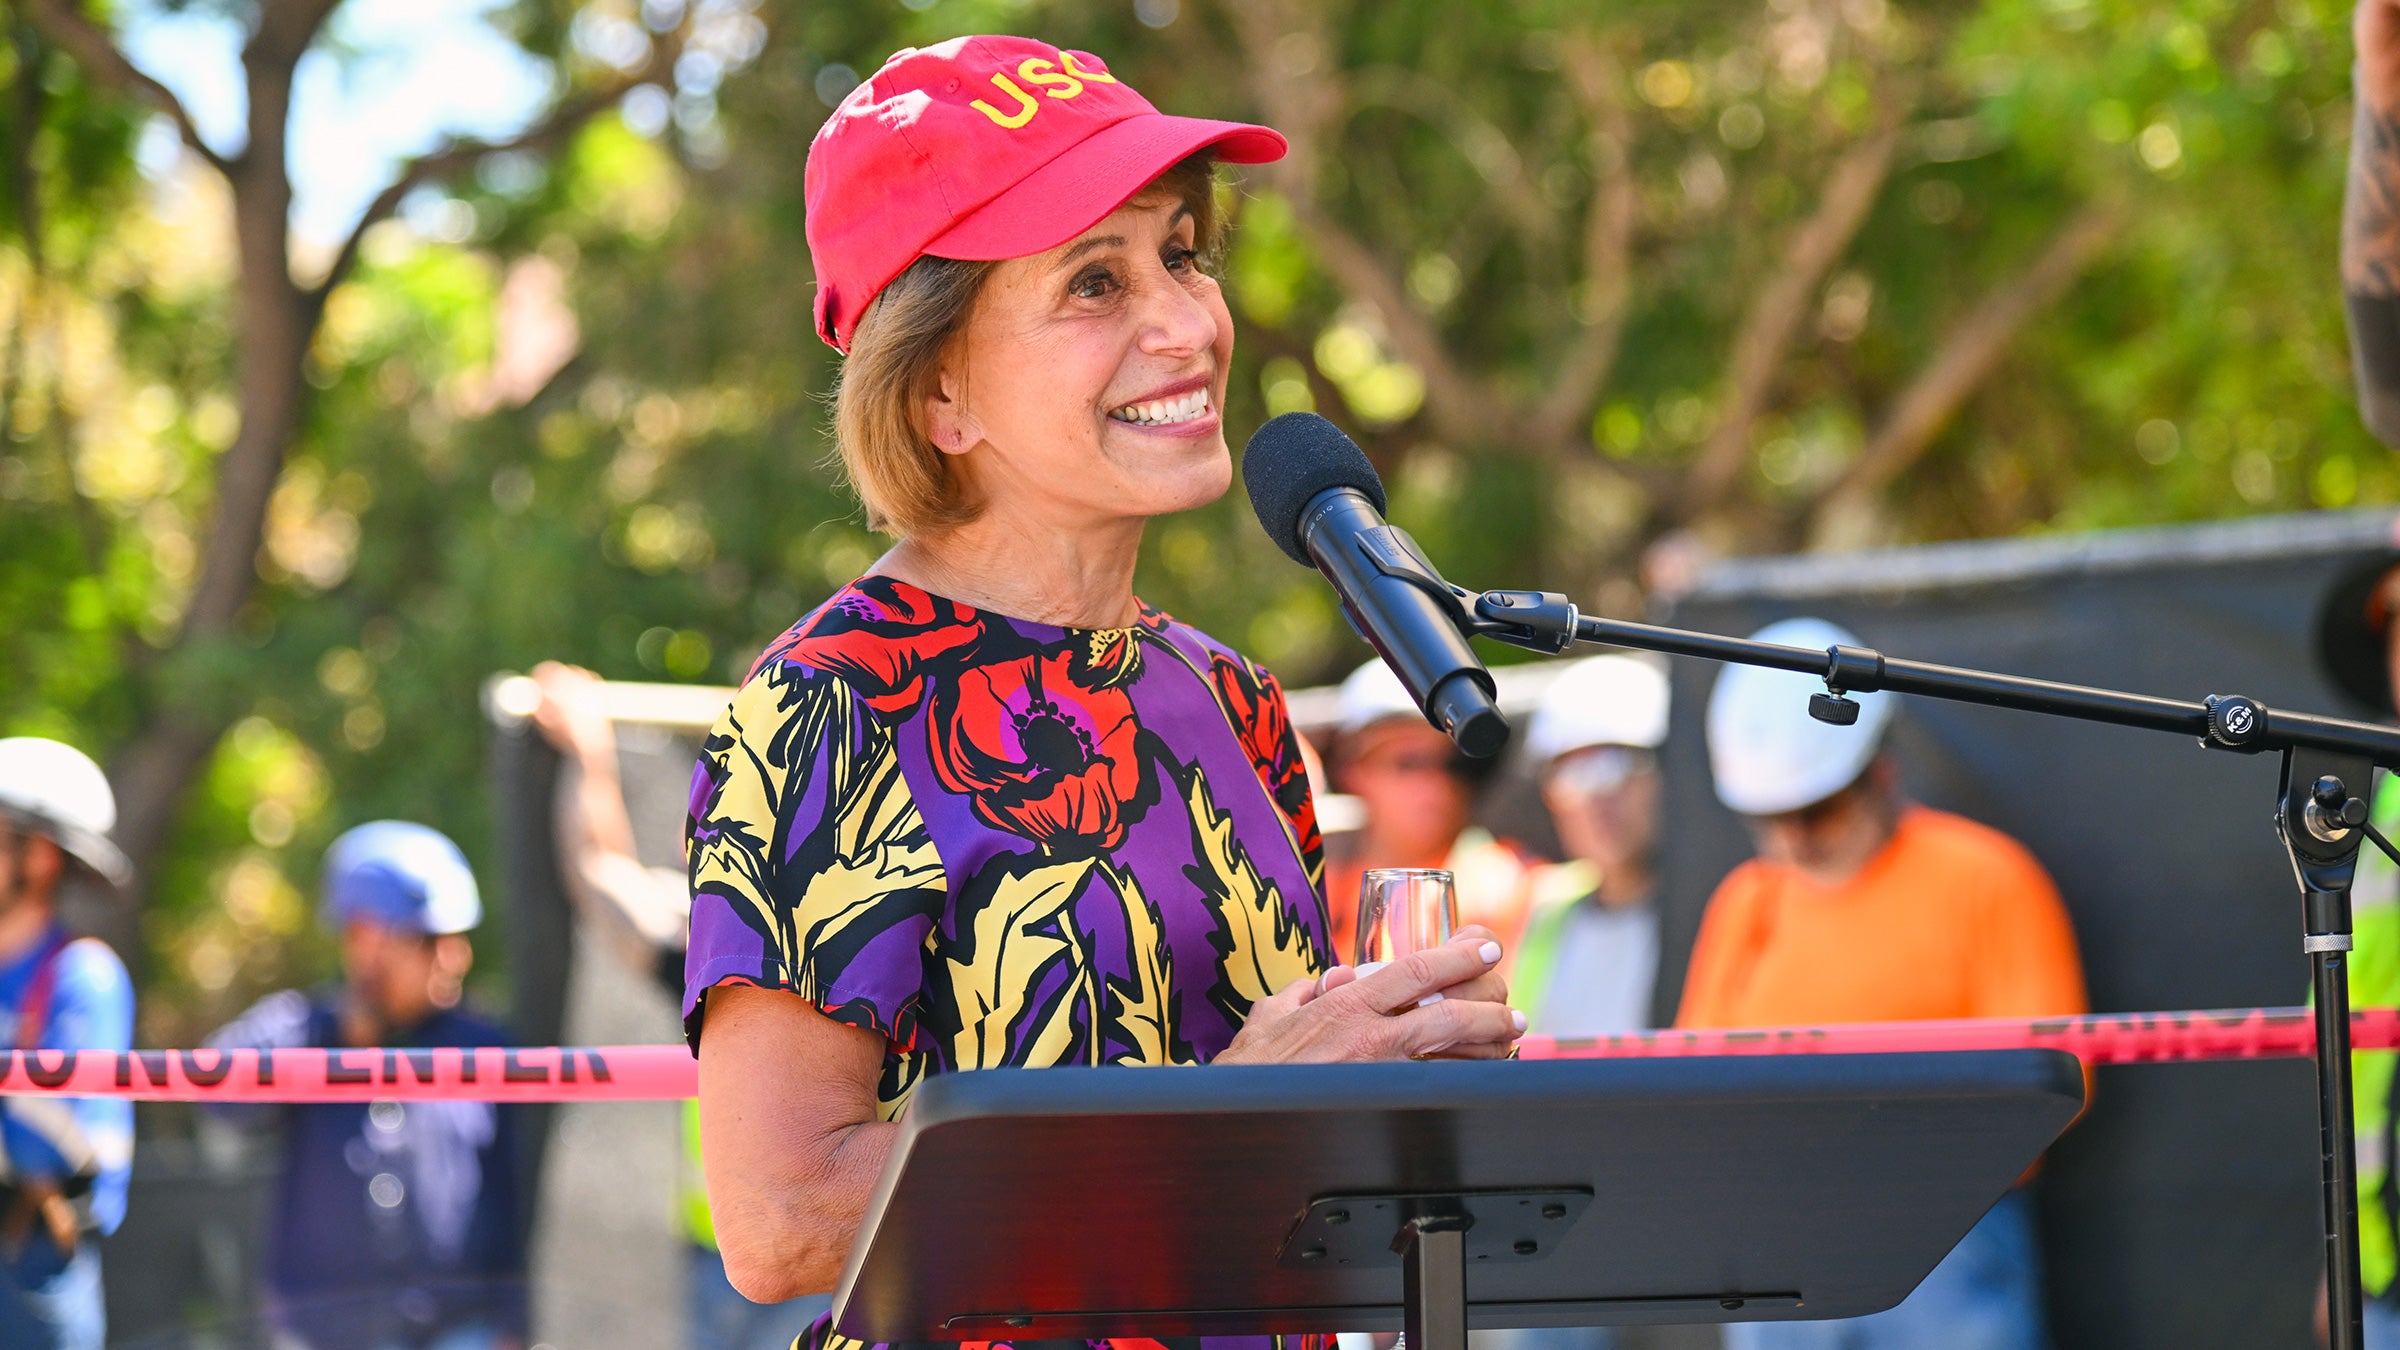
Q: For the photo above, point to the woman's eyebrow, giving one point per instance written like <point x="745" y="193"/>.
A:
<point x="1183" y="212"/>
<point x="1086" y="246"/>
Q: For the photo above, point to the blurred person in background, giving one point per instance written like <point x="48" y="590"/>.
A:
<point x="1416" y="792"/>
<point x="2371" y="217"/>
<point x="640" y="913"/>
<point x="1588" y="960"/>
<point x="67" y="1159"/>
<point x="1863" y="907"/>
<point x="392" y="1223"/>
<point x="2358" y="653"/>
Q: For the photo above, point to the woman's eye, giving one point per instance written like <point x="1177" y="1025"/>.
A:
<point x="1091" y="283"/>
<point x="1182" y="259"/>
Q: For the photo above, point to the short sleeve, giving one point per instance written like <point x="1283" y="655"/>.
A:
<point x="811" y="867"/>
<point x="91" y="1008"/>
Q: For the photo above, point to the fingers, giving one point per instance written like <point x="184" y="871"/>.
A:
<point x="1458" y="1028"/>
<point x="1404" y="982"/>
<point x="1298" y="994"/>
<point x="1336" y="978"/>
<point x="1485" y="988"/>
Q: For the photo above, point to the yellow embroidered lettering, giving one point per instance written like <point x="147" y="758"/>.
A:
<point x="1026" y="107"/>
<point x="1067" y="59"/>
<point x="1055" y="83"/>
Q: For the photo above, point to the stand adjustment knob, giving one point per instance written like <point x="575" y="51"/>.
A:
<point x="1833" y="709"/>
<point x="2331" y="813"/>
<point x="2333" y="798"/>
<point x="2234" y="722"/>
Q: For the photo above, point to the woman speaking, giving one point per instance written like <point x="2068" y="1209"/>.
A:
<point x="984" y="807"/>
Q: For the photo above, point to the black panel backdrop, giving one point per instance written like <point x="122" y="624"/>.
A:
<point x="2182" y="1211"/>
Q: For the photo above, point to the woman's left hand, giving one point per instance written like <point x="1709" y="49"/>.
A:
<point x="1441" y="1003"/>
<point x="1485" y="988"/>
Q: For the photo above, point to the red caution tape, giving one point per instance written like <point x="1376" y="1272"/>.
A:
<point x="2097" y="1038"/>
<point x="483" y="1073"/>
<point x="668" y="1072"/>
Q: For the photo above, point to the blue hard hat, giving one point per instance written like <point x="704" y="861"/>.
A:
<point x="403" y="876"/>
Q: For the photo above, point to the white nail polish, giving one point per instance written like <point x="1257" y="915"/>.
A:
<point x="1429" y="1000"/>
<point x="1490" y="952"/>
<point x="1517" y="1016"/>
<point x="1371" y="967"/>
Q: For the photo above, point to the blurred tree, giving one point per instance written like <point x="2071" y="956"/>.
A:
<point x="276" y="311"/>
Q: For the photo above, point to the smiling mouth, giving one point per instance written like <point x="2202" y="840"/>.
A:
<point x="1164" y="412"/>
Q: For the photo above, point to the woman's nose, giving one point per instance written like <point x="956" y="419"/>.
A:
<point x="1174" y="321"/>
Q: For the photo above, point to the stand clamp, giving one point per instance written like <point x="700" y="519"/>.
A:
<point x="2322" y="824"/>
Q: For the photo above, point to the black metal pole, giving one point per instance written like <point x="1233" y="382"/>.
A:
<point x="1861" y="670"/>
<point x="2335" y="1133"/>
<point x="1433" y="1280"/>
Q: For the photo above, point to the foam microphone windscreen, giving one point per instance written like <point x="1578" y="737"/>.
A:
<point x="1289" y="461"/>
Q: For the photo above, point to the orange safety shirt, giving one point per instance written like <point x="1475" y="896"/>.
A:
<point x="1951" y="919"/>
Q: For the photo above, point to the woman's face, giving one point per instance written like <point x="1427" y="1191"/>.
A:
<point x="1090" y="385"/>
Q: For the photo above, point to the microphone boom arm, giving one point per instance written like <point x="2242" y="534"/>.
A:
<point x="2319" y="819"/>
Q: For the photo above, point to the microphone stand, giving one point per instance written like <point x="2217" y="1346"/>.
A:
<point x="2321" y="821"/>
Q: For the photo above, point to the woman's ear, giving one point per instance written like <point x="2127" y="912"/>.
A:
<point x="953" y="429"/>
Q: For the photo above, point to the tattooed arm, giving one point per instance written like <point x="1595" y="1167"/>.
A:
<point x="2371" y="219"/>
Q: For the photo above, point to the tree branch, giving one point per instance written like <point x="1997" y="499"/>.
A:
<point x="1775" y="316"/>
<point x="456" y="157"/>
<point x="286" y="28"/>
<point x="1597" y="79"/>
<point x="1481" y="142"/>
<point x="1305" y="111"/>
<point x="65" y="23"/>
<point x="1968" y="354"/>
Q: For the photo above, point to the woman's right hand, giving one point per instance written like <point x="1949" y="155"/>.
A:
<point x="1347" y="1016"/>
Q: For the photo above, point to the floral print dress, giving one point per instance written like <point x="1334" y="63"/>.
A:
<point x="994" y="842"/>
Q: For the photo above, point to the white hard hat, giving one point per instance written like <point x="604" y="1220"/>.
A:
<point x="1371" y="694"/>
<point x="1604" y="700"/>
<point x="56" y="790"/>
<point x="1769" y="756"/>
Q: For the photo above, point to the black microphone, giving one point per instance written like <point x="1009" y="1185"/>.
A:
<point x="1321" y="502"/>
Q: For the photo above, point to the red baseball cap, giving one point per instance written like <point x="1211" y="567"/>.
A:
<point x="983" y="148"/>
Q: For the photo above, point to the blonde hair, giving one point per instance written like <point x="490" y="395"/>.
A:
<point x="907" y="484"/>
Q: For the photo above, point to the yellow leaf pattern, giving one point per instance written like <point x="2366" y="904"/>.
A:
<point x="1264" y="944"/>
<point x="1142" y="1008"/>
<point x="1020" y="935"/>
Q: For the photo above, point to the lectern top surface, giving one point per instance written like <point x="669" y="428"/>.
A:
<point x="1097" y="1202"/>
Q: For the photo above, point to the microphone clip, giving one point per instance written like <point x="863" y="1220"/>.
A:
<point x="1540" y="621"/>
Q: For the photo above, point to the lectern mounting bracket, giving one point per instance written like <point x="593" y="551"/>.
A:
<point x="1361" y="1230"/>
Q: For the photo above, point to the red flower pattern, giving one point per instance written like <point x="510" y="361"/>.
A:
<point x="1253" y="702"/>
<point x="880" y="635"/>
<point x="1039" y="753"/>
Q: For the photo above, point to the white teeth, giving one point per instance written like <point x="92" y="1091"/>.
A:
<point x="1164" y="411"/>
